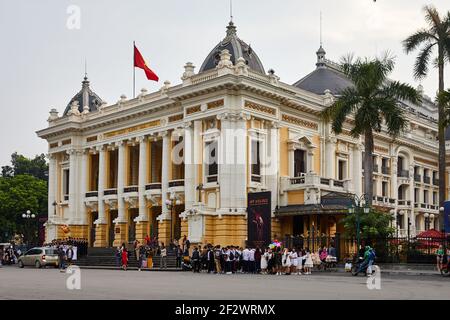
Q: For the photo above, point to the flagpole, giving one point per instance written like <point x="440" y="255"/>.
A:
<point x="134" y="72"/>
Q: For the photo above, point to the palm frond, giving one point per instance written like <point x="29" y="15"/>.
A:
<point x="418" y="38"/>
<point x="341" y="108"/>
<point x="422" y="61"/>
<point x="400" y="91"/>
<point x="443" y="99"/>
<point x="393" y="115"/>
<point x="432" y="16"/>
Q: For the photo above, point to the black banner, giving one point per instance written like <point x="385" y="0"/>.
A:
<point x="259" y="219"/>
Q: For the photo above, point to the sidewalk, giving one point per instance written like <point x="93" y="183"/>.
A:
<point x="387" y="269"/>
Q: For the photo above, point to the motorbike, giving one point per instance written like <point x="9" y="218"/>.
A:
<point x="357" y="264"/>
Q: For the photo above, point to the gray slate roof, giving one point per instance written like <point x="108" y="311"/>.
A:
<point x="85" y="97"/>
<point x="324" y="78"/>
<point x="237" y="49"/>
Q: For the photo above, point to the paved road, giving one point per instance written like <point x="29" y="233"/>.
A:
<point x="30" y="283"/>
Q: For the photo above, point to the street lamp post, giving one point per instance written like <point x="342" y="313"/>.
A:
<point x="360" y="204"/>
<point x="170" y="204"/>
<point x="27" y="217"/>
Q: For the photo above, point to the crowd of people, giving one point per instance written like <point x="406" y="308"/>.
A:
<point x="9" y="254"/>
<point x="80" y="243"/>
<point x="271" y="260"/>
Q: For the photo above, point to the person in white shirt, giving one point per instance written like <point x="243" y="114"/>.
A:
<point x="294" y="261"/>
<point x="245" y="259"/>
<point x="264" y="260"/>
<point x="251" y="261"/>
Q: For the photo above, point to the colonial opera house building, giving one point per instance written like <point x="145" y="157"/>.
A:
<point x="184" y="160"/>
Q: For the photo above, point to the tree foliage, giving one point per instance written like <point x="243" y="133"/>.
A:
<point x="23" y="186"/>
<point x="373" y="100"/>
<point x="37" y="166"/>
<point x="375" y="224"/>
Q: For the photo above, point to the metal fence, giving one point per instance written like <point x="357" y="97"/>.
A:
<point x="387" y="249"/>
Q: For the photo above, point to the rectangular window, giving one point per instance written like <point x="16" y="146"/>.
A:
<point x="384" y="189"/>
<point x="342" y="170"/>
<point x="299" y="162"/>
<point x="256" y="160"/>
<point x="66" y="182"/>
<point x="435" y="198"/>
<point x="416" y="195"/>
<point x="425" y="196"/>
<point x="156" y="161"/>
<point x="113" y="167"/>
<point x="211" y="161"/>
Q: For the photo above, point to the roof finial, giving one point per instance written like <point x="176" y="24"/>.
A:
<point x="320" y="29"/>
<point x="85" y="69"/>
<point x="231" y="10"/>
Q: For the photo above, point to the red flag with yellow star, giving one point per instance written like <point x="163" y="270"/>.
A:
<point x="139" y="62"/>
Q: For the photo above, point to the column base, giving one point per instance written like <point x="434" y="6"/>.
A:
<point x="164" y="231"/>
<point x="142" y="230"/>
<point x="121" y="236"/>
<point x="101" y="240"/>
<point x="78" y="231"/>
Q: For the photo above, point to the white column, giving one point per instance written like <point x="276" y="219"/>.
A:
<point x="330" y="163"/>
<point x="121" y="183"/>
<point x="356" y="167"/>
<point x="72" y="185"/>
<point x="101" y="184"/>
<point x="273" y="166"/>
<point x="310" y="160"/>
<point x="189" y="167"/>
<point x="143" y="168"/>
<point x="81" y="216"/>
<point x="198" y="152"/>
<point x="52" y="175"/>
<point x="394" y="189"/>
<point x="165" y="173"/>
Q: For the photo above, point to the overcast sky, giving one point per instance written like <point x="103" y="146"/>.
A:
<point x="42" y="60"/>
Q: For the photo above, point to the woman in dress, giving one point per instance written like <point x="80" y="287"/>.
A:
<point x="286" y="262"/>
<point x="124" y="258"/>
<point x="294" y="261"/>
<point x="308" y="262"/>
<point x="264" y="259"/>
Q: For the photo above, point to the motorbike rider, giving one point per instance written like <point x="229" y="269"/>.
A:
<point x="368" y="260"/>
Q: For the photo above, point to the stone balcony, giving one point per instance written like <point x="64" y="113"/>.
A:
<point x="312" y="180"/>
<point x="383" y="201"/>
<point x="176" y="186"/>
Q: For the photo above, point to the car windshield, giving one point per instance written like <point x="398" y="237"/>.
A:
<point x="51" y="251"/>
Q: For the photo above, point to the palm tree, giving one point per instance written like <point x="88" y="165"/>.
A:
<point x="373" y="99"/>
<point x="435" y="37"/>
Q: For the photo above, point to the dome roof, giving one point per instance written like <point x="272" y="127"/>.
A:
<point x="237" y="49"/>
<point x="85" y="97"/>
<point x="327" y="76"/>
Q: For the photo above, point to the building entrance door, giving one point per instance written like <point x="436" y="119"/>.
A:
<point x="94" y="216"/>
<point x="113" y="214"/>
<point x="133" y="214"/>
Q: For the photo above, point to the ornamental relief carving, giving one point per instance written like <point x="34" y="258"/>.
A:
<point x="300" y="122"/>
<point x="260" y="108"/>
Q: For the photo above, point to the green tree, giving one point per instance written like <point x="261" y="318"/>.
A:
<point x="37" y="166"/>
<point x="17" y="195"/>
<point x="428" y="40"/>
<point x="372" y="99"/>
<point x="375" y="224"/>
